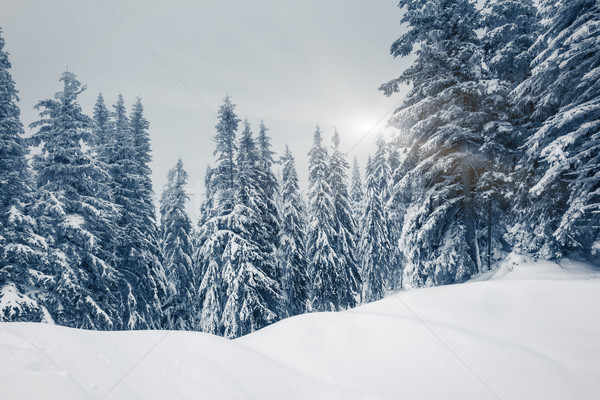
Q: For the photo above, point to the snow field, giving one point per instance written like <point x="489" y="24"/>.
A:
<point x="523" y="332"/>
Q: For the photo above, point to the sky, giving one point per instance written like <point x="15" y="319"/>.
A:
<point x="293" y="64"/>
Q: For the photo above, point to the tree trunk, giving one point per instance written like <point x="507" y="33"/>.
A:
<point x="467" y="202"/>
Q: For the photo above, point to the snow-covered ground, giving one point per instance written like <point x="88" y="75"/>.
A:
<point x="527" y="331"/>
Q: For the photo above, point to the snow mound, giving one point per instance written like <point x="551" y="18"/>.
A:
<point x="525" y="331"/>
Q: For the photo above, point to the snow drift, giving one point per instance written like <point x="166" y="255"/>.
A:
<point x="523" y="332"/>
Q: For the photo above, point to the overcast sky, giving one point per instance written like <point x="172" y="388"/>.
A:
<point x="294" y="64"/>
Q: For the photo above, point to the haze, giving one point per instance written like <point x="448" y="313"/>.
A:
<point x="292" y="64"/>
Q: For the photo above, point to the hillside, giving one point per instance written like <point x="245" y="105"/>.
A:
<point x="526" y="331"/>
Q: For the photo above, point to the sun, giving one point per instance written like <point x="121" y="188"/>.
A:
<point x="364" y="125"/>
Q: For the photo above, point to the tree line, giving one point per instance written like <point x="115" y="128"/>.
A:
<point x="502" y="135"/>
<point x="497" y="151"/>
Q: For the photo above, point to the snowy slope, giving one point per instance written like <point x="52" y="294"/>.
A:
<point x="525" y="332"/>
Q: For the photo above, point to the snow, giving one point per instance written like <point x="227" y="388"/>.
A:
<point x="13" y="301"/>
<point x="527" y="330"/>
<point x="98" y="309"/>
<point x="74" y="220"/>
<point x="14" y="214"/>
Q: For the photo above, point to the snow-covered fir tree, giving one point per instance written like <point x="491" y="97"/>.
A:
<point x="149" y="246"/>
<point x="562" y="211"/>
<point x="20" y="246"/>
<point x="347" y="274"/>
<point x="321" y="235"/>
<point x="102" y="128"/>
<point x="237" y="239"/>
<point x="268" y="186"/>
<point x="356" y="191"/>
<point x="374" y="245"/>
<point x="205" y="213"/>
<point x="177" y="250"/>
<point x="380" y="169"/>
<point x="199" y="257"/>
<point x="138" y="251"/>
<point x="249" y="272"/>
<point x="292" y="249"/>
<point x="510" y="29"/>
<point x="225" y="152"/>
<point x="443" y="121"/>
<point x="378" y="179"/>
<point x="213" y="235"/>
<point x="395" y="157"/>
<point x="76" y="216"/>
<point x="495" y="190"/>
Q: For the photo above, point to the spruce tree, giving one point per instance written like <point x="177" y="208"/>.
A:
<point x="237" y="238"/>
<point x="374" y="245"/>
<point x="393" y="205"/>
<point x="378" y="180"/>
<point x="76" y="216"/>
<point x="269" y="187"/>
<point x="205" y="213"/>
<point x="322" y="234"/>
<point x="149" y="243"/>
<point x="292" y="249"/>
<point x="211" y="291"/>
<point x="177" y="250"/>
<point x="510" y="29"/>
<point x="138" y="251"/>
<point x="253" y="296"/>
<point x="562" y="163"/>
<point x="208" y="249"/>
<point x="442" y="118"/>
<point x="102" y="128"/>
<point x="21" y="293"/>
<point x="380" y="168"/>
<point x="347" y="275"/>
<point x="356" y="191"/>
<point x="213" y="235"/>
<point x="225" y="152"/>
